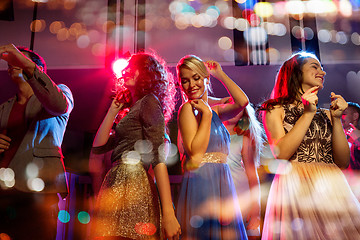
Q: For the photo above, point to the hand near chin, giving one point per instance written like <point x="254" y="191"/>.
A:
<point x="310" y="99"/>
<point x="338" y="105"/>
<point x="120" y="101"/>
<point x="201" y="106"/>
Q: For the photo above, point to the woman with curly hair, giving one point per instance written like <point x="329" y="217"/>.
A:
<point x="309" y="197"/>
<point x="207" y="204"/>
<point x="127" y="205"/>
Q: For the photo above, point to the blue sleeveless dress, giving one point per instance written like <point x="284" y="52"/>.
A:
<point x="207" y="205"/>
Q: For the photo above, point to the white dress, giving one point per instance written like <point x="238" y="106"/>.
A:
<point x="309" y="197"/>
<point x="236" y="165"/>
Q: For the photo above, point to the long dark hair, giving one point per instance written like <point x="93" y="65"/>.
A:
<point x="288" y="85"/>
<point x="154" y="77"/>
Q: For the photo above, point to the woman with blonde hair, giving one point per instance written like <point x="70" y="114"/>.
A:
<point x="207" y="204"/>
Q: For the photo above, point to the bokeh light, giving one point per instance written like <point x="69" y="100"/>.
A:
<point x="295" y="7"/>
<point x="168" y="152"/>
<point x="255" y="36"/>
<point x="4" y="236"/>
<point x="84" y="217"/>
<point x="63" y="34"/>
<point x="196" y="221"/>
<point x="83" y="41"/>
<point x="7" y="174"/>
<point x="32" y="170"/>
<point x="143" y="146"/>
<point x="38" y="25"/>
<point x="297" y="224"/>
<point x="225" y="43"/>
<point x="147" y="229"/>
<point x="341" y="37"/>
<point x="263" y="9"/>
<point x="98" y="49"/>
<point x="345" y="8"/>
<point x="229" y="22"/>
<point x="36" y="184"/>
<point x="324" y="36"/>
<point x="7" y="178"/>
<point x="119" y="65"/>
<point x="258" y="57"/>
<point x="56" y="26"/>
<point x="241" y="24"/>
<point x="355" y="38"/>
<point x="64" y="216"/>
<point x="133" y="158"/>
<point x="274" y="55"/>
<point x="277" y="166"/>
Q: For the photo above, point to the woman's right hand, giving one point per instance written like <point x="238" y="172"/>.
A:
<point x="201" y="106"/>
<point x="171" y="227"/>
<point x="310" y="100"/>
<point x="118" y="103"/>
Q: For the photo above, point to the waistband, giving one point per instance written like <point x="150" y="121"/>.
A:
<point x="214" y="157"/>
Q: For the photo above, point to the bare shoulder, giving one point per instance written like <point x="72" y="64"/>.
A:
<point x="185" y="107"/>
<point x="185" y="111"/>
<point x="276" y="112"/>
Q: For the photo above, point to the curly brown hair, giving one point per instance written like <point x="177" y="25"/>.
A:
<point x="154" y="77"/>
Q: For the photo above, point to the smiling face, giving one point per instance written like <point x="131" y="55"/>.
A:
<point x="313" y="74"/>
<point x="193" y="84"/>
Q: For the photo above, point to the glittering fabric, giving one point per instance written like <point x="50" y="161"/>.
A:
<point x="214" y="157"/>
<point x="128" y="204"/>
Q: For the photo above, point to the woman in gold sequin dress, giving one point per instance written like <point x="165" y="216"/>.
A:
<point x="309" y="197"/>
<point x="128" y="206"/>
<point x="207" y="205"/>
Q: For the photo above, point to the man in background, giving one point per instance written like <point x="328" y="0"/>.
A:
<point x="351" y="125"/>
<point x="32" y="126"/>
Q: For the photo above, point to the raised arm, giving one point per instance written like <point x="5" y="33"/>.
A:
<point x="195" y="130"/>
<point x="56" y="101"/>
<point x="103" y="133"/>
<point x="240" y="100"/>
<point x="285" y="145"/>
<point x="340" y="146"/>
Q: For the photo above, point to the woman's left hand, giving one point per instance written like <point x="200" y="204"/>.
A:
<point x="214" y="68"/>
<point x="171" y="227"/>
<point x="338" y="105"/>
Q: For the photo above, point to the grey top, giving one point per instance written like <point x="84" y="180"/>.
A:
<point x="145" y="121"/>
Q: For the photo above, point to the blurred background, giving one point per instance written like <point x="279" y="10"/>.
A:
<point x="80" y="39"/>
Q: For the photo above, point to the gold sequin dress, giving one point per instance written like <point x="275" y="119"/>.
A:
<point x="309" y="197"/>
<point x="128" y="204"/>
